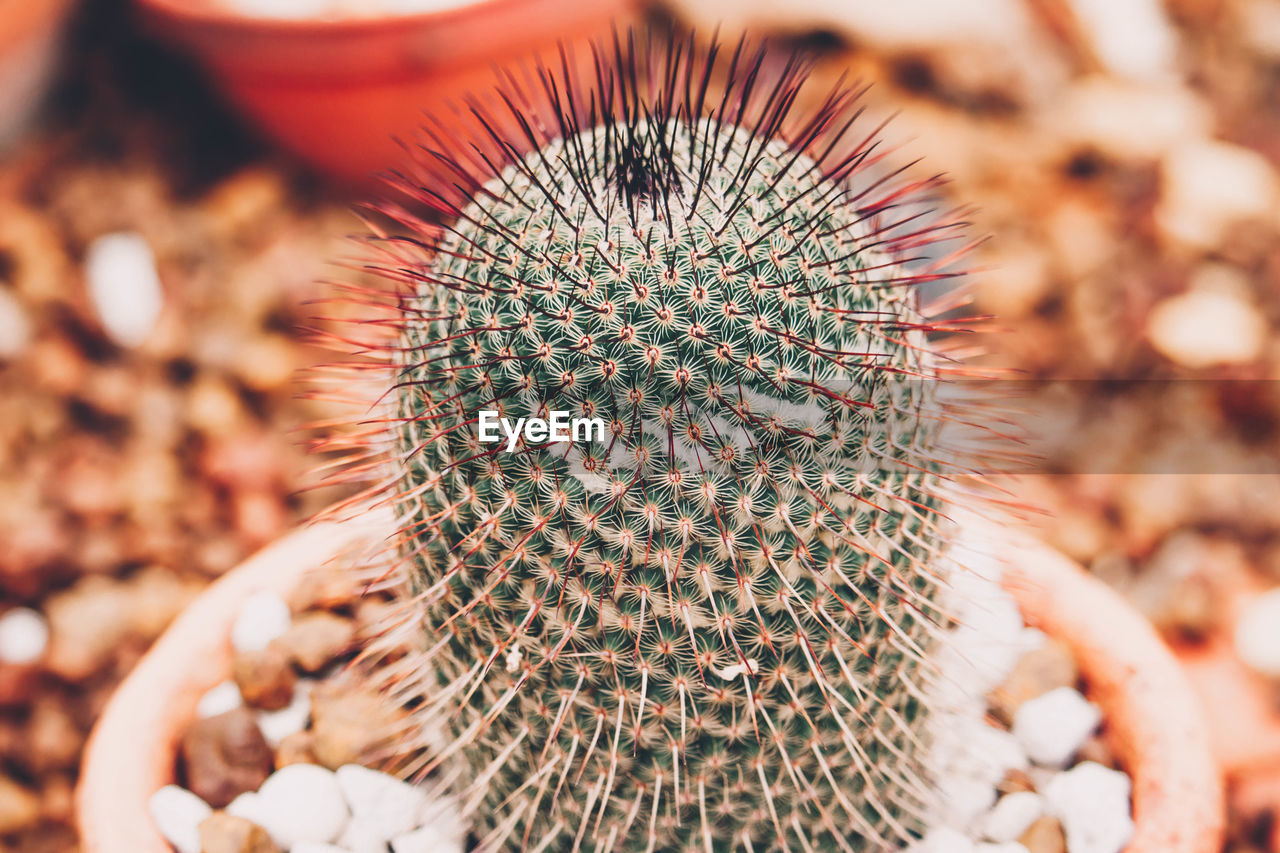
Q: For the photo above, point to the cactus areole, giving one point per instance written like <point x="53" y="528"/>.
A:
<point x="708" y="624"/>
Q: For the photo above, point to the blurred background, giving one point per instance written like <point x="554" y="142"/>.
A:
<point x="177" y="179"/>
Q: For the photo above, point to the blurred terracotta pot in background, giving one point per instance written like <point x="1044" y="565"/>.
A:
<point x="340" y="92"/>
<point x="30" y="33"/>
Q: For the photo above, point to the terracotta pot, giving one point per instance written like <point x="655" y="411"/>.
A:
<point x="1152" y="716"/>
<point x="133" y="747"/>
<point x="340" y="92"/>
<point x="30" y="35"/>
<point x="1154" y="720"/>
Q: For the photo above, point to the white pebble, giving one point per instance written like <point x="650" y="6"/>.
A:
<point x="264" y="617"/>
<point x="362" y="837"/>
<point x="1092" y="802"/>
<point x="942" y="839"/>
<point x="244" y="806"/>
<point x="382" y="803"/>
<point x="219" y="699"/>
<point x="15" y="325"/>
<point x="292" y="718"/>
<point x="1128" y="120"/>
<point x="1053" y="727"/>
<point x="24" y="635"/>
<point x="1208" y="186"/>
<point x="301" y="802"/>
<point x="1257" y="634"/>
<point x="120" y="270"/>
<point x="178" y="813"/>
<point x="317" y="847"/>
<point x="1013" y="814"/>
<point x="968" y="759"/>
<point x="1132" y="38"/>
<point x="428" y="839"/>
<point x="1202" y="328"/>
<point x="963" y="799"/>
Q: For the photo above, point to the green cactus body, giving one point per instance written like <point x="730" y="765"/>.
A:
<point x="711" y="629"/>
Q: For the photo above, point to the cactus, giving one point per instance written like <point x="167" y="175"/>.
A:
<point x="709" y="628"/>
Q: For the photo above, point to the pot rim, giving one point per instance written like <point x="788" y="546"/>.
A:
<point x="210" y="13"/>
<point x="1178" y="795"/>
<point x="1178" y="800"/>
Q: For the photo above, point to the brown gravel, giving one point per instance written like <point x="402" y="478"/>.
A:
<point x="224" y="756"/>
<point x="265" y="678"/>
<point x="223" y="833"/>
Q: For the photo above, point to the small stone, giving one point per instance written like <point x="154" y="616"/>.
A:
<point x="1046" y="668"/>
<point x="178" y="814"/>
<point x="264" y="617"/>
<point x="319" y="847"/>
<point x="1208" y="186"/>
<point x="24" y="635"/>
<point x="219" y="699"/>
<point x="225" y="833"/>
<point x="1131" y="38"/>
<point x="265" y="678"/>
<point x="1052" y="727"/>
<point x="1207" y="326"/>
<point x="120" y="272"/>
<point x="428" y="839"/>
<point x="1015" y="781"/>
<point x="1000" y="847"/>
<point x="19" y="808"/>
<point x="1012" y="816"/>
<point x="1257" y="634"/>
<point x="225" y="756"/>
<point x="87" y="622"/>
<point x="1092" y="802"/>
<point x="380" y="801"/>
<point x="15" y="326"/>
<point x="301" y="802"/>
<point x="278" y="725"/>
<point x="347" y="723"/>
<point x="942" y="839"/>
<point x="363" y="836"/>
<point x="245" y="806"/>
<point x="1044" y="836"/>
<point x="315" y="640"/>
<point x="295" y="749"/>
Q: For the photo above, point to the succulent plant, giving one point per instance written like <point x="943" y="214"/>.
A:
<point x="709" y="624"/>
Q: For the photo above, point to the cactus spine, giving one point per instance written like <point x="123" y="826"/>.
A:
<point x="711" y="629"/>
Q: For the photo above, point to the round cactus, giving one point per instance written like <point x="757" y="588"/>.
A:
<point x="707" y="623"/>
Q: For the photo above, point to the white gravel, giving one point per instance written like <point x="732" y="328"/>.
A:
<point x="301" y="802"/>
<point x="24" y="636"/>
<point x="219" y="699"/>
<point x="1012" y="815"/>
<point x="1257" y="634"/>
<point x="970" y="756"/>
<point x="1092" y="802"/>
<point x="385" y="806"/>
<point x="1053" y="727"/>
<point x="264" y="617"/>
<point x="177" y="813"/>
<point x="124" y="287"/>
